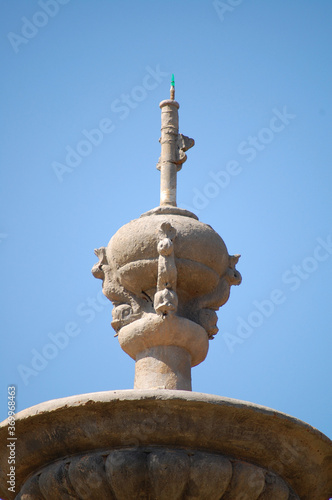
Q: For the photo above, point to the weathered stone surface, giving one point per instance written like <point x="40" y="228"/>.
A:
<point x="88" y="477"/>
<point x="169" y="473"/>
<point x="158" y="474"/>
<point x="208" y="478"/>
<point x="54" y="482"/>
<point x="127" y="472"/>
<point x="247" y="479"/>
<point x="275" y="488"/>
<point x="30" y="490"/>
<point x="163" y="367"/>
<point x="171" y="420"/>
<point x="153" y="330"/>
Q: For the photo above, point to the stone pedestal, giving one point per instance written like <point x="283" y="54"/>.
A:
<point x="164" y="445"/>
<point x="164" y="348"/>
<point x="163" y="367"/>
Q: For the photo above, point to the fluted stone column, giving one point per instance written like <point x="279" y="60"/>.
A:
<point x="169" y="152"/>
<point x="173" y="147"/>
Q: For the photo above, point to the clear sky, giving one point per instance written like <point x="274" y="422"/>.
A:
<point x="80" y="122"/>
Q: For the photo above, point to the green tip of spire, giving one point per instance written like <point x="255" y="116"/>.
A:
<point x="172" y="81"/>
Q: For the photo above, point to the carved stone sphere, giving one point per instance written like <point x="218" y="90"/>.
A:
<point x="201" y="256"/>
<point x="167" y="248"/>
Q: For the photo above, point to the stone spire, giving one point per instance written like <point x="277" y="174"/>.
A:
<point x="166" y="274"/>
<point x="173" y="147"/>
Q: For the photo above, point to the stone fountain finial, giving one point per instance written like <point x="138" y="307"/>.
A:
<point x="167" y="274"/>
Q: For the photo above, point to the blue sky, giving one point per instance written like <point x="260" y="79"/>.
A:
<point x="253" y="79"/>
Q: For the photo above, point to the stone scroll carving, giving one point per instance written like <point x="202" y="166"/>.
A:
<point x="128" y="306"/>
<point x="203" y="309"/>
<point x="184" y="143"/>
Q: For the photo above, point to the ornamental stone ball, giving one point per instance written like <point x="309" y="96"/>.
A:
<point x="166" y="274"/>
